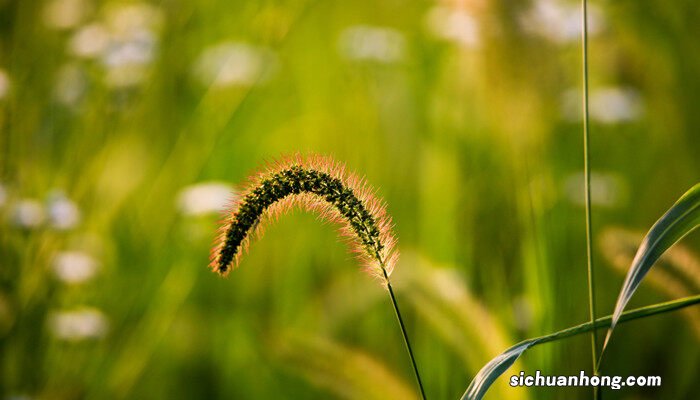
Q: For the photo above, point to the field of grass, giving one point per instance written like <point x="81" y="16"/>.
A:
<point x="126" y="126"/>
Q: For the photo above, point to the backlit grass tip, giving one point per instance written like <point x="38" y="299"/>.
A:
<point x="312" y="183"/>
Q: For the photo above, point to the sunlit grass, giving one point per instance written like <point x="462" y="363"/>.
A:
<point x="460" y="114"/>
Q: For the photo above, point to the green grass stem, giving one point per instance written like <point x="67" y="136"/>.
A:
<point x="587" y="179"/>
<point x="404" y="334"/>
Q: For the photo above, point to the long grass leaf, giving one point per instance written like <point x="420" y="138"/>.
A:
<point x="496" y="367"/>
<point x="675" y="275"/>
<point x="679" y="220"/>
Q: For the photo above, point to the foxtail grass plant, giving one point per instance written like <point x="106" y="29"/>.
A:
<point x="322" y="185"/>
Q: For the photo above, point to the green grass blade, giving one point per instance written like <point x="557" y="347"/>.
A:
<point x="496" y="367"/>
<point x="678" y="221"/>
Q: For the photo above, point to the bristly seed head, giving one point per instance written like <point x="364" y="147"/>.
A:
<point x="314" y="183"/>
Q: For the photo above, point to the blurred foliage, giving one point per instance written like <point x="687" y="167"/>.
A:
<point x="123" y="125"/>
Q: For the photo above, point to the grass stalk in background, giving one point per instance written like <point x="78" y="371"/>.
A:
<point x="587" y="184"/>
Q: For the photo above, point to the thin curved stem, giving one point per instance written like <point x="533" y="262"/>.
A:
<point x="404" y="333"/>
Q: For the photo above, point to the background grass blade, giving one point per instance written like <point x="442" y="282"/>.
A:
<point x="467" y="327"/>
<point x="678" y="221"/>
<point x="346" y="372"/>
<point x="496" y="367"/>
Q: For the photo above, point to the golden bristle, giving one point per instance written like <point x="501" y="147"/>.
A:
<point x="312" y="183"/>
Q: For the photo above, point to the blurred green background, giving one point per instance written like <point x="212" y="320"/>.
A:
<point x="125" y="125"/>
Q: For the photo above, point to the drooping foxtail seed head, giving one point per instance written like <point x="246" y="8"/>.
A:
<point x="314" y="183"/>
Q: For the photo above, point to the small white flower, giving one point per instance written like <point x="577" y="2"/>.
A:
<point x="455" y="25"/>
<point x="77" y="325"/>
<point x="28" y="213"/>
<point x="558" y="21"/>
<point x="126" y="44"/>
<point x="607" y="190"/>
<point x="63" y="213"/>
<point x="607" y="105"/>
<point x="90" y="41"/>
<point x="612" y="105"/>
<point x="369" y="43"/>
<point x="74" y="266"/>
<point x="234" y="64"/>
<point x="204" y="198"/>
<point x="138" y="49"/>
